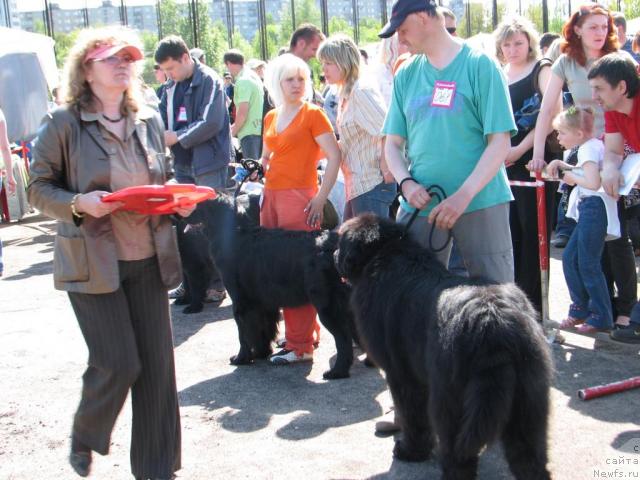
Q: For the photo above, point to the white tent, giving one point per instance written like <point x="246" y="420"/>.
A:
<point x="27" y="69"/>
<point x="13" y="40"/>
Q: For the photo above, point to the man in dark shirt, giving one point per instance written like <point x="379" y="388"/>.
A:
<point x="194" y="110"/>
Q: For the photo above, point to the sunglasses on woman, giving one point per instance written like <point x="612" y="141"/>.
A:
<point x="116" y="60"/>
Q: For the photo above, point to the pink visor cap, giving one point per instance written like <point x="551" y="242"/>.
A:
<point x="105" y="51"/>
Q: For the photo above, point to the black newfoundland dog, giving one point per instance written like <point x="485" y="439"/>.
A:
<point x="266" y="269"/>
<point x="466" y="361"/>
<point x="197" y="266"/>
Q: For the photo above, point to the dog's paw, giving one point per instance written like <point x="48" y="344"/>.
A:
<point x="181" y="301"/>
<point x="240" y="360"/>
<point x="335" y="374"/>
<point x="403" y="452"/>
<point x="193" y="309"/>
<point x="369" y="363"/>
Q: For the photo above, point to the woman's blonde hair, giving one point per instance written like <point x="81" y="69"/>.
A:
<point x="342" y="51"/>
<point x="76" y="90"/>
<point x="512" y="26"/>
<point x="576" y="118"/>
<point x="281" y="67"/>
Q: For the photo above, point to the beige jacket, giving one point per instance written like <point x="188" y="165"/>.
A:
<point x="71" y="157"/>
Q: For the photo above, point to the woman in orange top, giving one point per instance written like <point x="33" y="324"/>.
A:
<point x="295" y="132"/>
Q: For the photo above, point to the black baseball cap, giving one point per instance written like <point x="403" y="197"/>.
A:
<point x="401" y="10"/>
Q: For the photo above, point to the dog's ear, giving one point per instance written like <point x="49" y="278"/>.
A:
<point x="360" y="238"/>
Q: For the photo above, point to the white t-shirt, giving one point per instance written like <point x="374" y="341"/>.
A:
<point x="593" y="151"/>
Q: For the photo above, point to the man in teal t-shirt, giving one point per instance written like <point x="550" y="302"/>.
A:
<point x="450" y="107"/>
<point x="248" y="97"/>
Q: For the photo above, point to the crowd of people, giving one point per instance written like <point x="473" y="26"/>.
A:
<point x="431" y="115"/>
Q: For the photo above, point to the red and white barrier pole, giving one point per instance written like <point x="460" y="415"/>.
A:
<point x="543" y="252"/>
<point x="609" y="388"/>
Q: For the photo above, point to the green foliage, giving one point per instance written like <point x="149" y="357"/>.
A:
<point x="631" y="8"/>
<point x="307" y="11"/>
<point x="369" y="28"/>
<point x="64" y="42"/>
<point x="340" y="25"/>
<point x="479" y="18"/>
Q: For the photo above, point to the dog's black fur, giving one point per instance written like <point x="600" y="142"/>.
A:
<point x="197" y="266"/>
<point x="466" y="361"/>
<point x="266" y="269"/>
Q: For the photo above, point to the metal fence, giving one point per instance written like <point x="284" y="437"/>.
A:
<point x="264" y="25"/>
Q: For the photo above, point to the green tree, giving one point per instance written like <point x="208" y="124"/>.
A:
<point x="307" y="11"/>
<point x="479" y="18"/>
<point x="369" y="28"/>
<point x="64" y="42"/>
<point x="631" y="8"/>
<point x="340" y="25"/>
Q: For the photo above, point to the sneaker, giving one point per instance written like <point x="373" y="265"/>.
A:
<point x="560" y="241"/>
<point x="285" y="357"/>
<point x="215" y="296"/>
<point x="177" y="292"/>
<point x="631" y="334"/>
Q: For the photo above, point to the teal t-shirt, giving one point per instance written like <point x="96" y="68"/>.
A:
<point x="444" y="143"/>
<point x="248" y="88"/>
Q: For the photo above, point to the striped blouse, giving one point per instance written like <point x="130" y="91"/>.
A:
<point x="360" y="119"/>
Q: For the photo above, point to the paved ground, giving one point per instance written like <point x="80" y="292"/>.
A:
<point x="264" y="422"/>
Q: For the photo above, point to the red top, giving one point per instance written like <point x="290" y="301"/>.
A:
<point x="626" y="125"/>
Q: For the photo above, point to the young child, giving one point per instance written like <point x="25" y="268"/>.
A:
<point x="597" y="219"/>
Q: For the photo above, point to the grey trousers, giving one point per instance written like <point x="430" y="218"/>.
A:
<point x="128" y="334"/>
<point x="483" y="238"/>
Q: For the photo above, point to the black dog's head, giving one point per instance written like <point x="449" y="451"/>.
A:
<point x="360" y="239"/>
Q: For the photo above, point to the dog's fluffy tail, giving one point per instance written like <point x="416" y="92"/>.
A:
<point x="508" y="367"/>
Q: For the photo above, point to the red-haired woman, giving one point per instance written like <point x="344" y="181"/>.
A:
<point x="588" y="35"/>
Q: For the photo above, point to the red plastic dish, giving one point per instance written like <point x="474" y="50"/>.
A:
<point x="160" y="199"/>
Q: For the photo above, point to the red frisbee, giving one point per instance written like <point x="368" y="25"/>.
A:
<point x="160" y="199"/>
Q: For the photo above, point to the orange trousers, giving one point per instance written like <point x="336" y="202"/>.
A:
<point x="285" y="209"/>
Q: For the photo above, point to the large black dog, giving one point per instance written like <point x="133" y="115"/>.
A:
<point x="266" y="269"/>
<point x="197" y="266"/>
<point x="465" y="360"/>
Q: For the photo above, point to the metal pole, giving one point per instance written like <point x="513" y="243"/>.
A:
<point x="293" y="15"/>
<point x="85" y="15"/>
<point x="383" y="11"/>
<point x="545" y="16"/>
<point x="227" y="14"/>
<point x="264" y="50"/>
<point x="159" y="17"/>
<point x="467" y="7"/>
<point x="123" y="13"/>
<point x="48" y="19"/>
<point x="356" y="21"/>
<point x="194" y="23"/>
<point x="494" y="13"/>
<point x="324" y="16"/>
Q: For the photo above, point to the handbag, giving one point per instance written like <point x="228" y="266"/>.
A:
<point x="527" y="116"/>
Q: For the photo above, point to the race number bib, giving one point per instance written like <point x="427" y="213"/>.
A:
<point x="182" y="114"/>
<point x="443" y="94"/>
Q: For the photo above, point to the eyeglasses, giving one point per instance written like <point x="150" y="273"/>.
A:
<point x="115" y="60"/>
<point x="451" y="30"/>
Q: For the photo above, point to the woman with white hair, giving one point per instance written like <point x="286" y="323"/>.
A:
<point x="297" y="134"/>
<point x="369" y="185"/>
